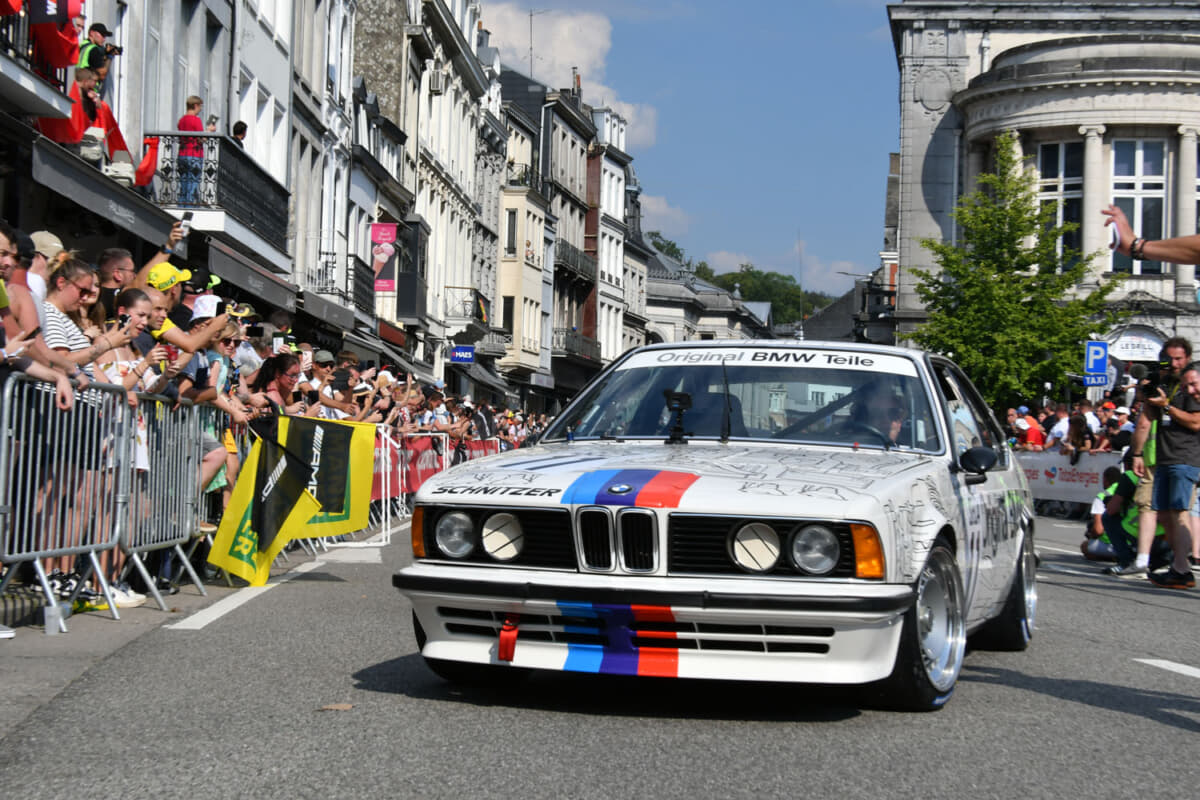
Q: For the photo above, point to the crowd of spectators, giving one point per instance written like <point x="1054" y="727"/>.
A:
<point x="158" y="329"/>
<point x="1133" y="522"/>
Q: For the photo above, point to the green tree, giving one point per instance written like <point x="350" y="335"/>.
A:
<point x="665" y="246"/>
<point x="789" y="303"/>
<point x="1007" y="303"/>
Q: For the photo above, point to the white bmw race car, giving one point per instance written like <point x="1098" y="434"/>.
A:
<point x="779" y="511"/>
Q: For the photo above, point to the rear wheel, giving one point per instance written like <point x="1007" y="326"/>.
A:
<point x="465" y="672"/>
<point x="1013" y="629"/>
<point x="933" y="641"/>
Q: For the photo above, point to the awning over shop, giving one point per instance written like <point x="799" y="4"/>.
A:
<point x="62" y="171"/>
<point x="332" y="314"/>
<point x="481" y="374"/>
<point x="365" y="340"/>
<point x="244" y="273"/>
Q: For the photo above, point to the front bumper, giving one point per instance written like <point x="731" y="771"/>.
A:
<point x="736" y="629"/>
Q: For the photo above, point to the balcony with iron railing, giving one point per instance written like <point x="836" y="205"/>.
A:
<point x="211" y="171"/>
<point x="363" y="289"/>
<point x="572" y="259"/>
<point x="524" y="175"/>
<point x="468" y="309"/>
<point x="570" y="342"/>
<point x="323" y="277"/>
<point x="494" y="344"/>
<point x="18" y="43"/>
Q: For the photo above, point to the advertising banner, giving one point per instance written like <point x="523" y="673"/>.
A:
<point x="422" y="461"/>
<point x="383" y="255"/>
<point x="1052" y="476"/>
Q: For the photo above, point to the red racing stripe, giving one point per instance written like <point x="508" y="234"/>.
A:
<point x="665" y="489"/>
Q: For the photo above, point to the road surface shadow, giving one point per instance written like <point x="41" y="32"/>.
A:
<point x="631" y="696"/>
<point x="1167" y="708"/>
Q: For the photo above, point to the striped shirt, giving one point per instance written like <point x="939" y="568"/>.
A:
<point x="60" y="332"/>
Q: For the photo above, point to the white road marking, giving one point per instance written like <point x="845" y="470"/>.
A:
<point x="1052" y="548"/>
<point x="1067" y="571"/>
<point x="360" y="556"/>
<point x="225" y="605"/>
<point x="1170" y="666"/>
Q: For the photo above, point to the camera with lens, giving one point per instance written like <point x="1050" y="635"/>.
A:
<point x="1151" y="379"/>
<point x="113" y="50"/>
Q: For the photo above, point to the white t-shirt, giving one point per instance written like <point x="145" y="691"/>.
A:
<point x="326" y="411"/>
<point x="1059" y="432"/>
<point x="37" y="288"/>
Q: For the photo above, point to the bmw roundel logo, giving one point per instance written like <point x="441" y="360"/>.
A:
<point x="620" y="488"/>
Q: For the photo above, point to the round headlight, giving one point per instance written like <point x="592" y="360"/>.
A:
<point x="755" y="547"/>
<point x="502" y="537"/>
<point x="815" y="549"/>
<point x="455" y="535"/>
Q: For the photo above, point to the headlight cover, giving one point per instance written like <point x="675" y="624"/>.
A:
<point x="755" y="547"/>
<point x="815" y="550"/>
<point x="455" y="535"/>
<point x="502" y="537"/>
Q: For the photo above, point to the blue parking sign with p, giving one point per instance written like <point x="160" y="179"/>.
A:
<point x="1095" y="358"/>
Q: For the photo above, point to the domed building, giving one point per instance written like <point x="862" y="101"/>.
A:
<point x="1104" y="98"/>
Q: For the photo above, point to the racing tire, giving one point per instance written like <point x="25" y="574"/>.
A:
<point x="466" y="673"/>
<point x="933" y="641"/>
<point x="1012" y="630"/>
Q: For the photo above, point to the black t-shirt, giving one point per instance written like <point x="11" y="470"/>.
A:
<point x="108" y="296"/>
<point x="1176" y="444"/>
<point x="181" y="315"/>
<point x="1120" y="440"/>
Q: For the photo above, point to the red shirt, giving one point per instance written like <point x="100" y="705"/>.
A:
<point x="190" y="147"/>
<point x="1033" y="436"/>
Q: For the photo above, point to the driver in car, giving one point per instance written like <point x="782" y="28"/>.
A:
<point x="880" y="411"/>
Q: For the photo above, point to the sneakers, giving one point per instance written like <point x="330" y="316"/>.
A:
<point x="125" y="597"/>
<point x="1130" y="570"/>
<point x="1173" y="580"/>
<point x="166" y="587"/>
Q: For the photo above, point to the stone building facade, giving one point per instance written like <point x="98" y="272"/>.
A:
<point x="1103" y="98"/>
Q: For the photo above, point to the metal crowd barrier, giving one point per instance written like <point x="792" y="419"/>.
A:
<point x="164" y="504"/>
<point x="64" y="482"/>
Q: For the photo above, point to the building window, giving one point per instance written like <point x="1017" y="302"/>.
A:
<point x="1139" y="189"/>
<point x="1060" y="181"/>
<point x="506" y="317"/>
<point x="510" y="232"/>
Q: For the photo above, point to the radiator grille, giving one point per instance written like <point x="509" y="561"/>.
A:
<point x="595" y="538"/>
<point x="638" y="541"/>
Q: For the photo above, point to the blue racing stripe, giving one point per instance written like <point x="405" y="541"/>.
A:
<point x="635" y="478"/>
<point x="587" y="486"/>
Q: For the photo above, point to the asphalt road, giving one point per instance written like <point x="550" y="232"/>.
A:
<point x="314" y="688"/>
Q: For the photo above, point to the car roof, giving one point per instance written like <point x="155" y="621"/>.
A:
<point x="790" y="344"/>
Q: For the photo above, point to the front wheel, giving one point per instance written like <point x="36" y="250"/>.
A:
<point x="933" y="641"/>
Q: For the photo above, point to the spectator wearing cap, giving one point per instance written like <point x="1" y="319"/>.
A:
<point x="94" y="47"/>
<point x="1123" y="416"/>
<point x="168" y="279"/>
<point x="48" y="253"/>
<point x="1029" y="437"/>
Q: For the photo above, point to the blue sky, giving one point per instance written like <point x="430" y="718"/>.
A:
<point x="760" y="129"/>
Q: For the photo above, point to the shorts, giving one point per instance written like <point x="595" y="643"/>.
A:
<point x="208" y="443"/>
<point x="1173" y="487"/>
<point x="1143" y="495"/>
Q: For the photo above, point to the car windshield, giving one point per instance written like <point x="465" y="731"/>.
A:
<point x="796" y="394"/>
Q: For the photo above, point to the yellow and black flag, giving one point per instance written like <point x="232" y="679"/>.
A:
<point x="264" y="512"/>
<point x="341" y="460"/>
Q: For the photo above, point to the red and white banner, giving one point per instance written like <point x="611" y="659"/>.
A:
<point x="1052" y="476"/>
<point x="422" y="460"/>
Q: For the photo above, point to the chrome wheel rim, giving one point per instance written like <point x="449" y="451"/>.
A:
<point x="1029" y="582"/>
<point x="941" y="627"/>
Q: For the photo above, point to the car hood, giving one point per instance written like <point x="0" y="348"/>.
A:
<point x="702" y="477"/>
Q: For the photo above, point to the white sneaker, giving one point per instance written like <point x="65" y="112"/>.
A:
<point x="126" y="598"/>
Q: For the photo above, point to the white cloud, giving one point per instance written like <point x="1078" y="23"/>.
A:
<point x="725" y="261"/>
<point x="659" y="215"/>
<point x="563" y="40"/>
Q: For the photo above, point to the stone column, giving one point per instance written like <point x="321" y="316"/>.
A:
<point x="1185" y="210"/>
<point x="1095" y="182"/>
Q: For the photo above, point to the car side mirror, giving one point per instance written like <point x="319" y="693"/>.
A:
<point x="976" y="462"/>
